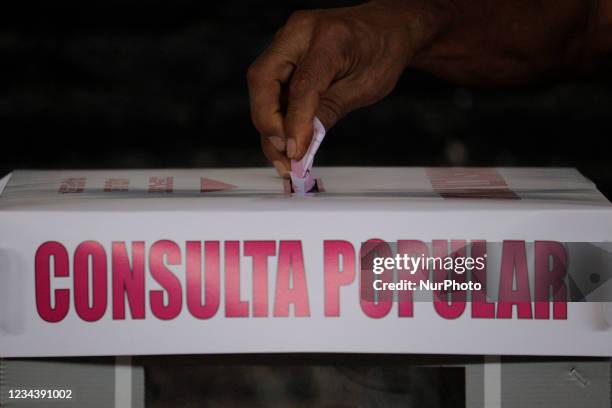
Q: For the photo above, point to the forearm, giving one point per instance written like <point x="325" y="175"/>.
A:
<point x="503" y="42"/>
<point x="326" y="63"/>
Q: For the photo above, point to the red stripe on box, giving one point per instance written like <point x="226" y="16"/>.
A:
<point x="474" y="183"/>
<point x="209" y="185"/>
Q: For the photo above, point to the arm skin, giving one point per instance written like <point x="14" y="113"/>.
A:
<point x="326" y="63"/>
<point x="501" y="43"/>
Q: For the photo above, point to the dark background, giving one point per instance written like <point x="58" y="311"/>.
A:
<point x="125" y="83"/>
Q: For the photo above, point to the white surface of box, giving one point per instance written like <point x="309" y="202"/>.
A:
<point x="127" y="262"/>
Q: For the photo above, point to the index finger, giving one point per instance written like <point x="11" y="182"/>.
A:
<point x="312" y="78"/>
<point x="265" y="79"/>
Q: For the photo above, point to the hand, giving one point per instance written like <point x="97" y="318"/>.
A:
<point x="326" y="63"/>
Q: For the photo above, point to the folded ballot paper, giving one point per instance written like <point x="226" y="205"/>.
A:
<point x="377" y="260"/>
<point x="302" y="180"/>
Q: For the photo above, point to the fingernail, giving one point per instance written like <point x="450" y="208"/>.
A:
<point x="291" y="148"/>
<point x="277" y="142"/>
<point x="280" y="168"/>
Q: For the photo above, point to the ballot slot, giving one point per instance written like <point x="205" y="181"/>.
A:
<point x="317" y="187"/>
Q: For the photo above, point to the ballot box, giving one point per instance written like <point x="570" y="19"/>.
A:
<point x="505" y="263"/>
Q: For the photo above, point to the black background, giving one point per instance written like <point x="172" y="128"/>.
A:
<point x="132" y="84"/>
<point x="124" y="83"/>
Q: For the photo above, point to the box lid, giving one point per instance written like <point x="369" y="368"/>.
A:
<point x="341" y="188"/>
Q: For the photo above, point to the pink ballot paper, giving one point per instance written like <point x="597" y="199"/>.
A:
<point x="301" y="175"/>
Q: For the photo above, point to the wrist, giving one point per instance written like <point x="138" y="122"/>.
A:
<point x="415" y="23"/>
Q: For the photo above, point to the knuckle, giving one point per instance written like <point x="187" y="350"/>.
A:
<point x="280" y="33"/>
<point x="335" y="29"/>
<point x="302" y="18"/>
<point x="254" y="72"/>
<point x="263" y="125"/>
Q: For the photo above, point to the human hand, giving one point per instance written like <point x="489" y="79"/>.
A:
<point x="326" y="63"/>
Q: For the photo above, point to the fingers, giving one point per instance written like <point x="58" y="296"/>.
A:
<point x="265" y="79"/>
<point x="277" y="158"/>
<point x="309" y="58"/>
<point x="312" y="77"/>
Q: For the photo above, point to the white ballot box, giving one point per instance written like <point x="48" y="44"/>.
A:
<point x="209" y="261"/>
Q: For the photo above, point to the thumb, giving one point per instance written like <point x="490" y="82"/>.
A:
<point x="335" y="103"/>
